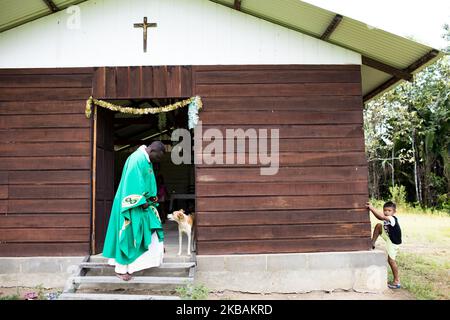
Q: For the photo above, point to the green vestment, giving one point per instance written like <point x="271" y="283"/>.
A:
<point x="130" y="226"/>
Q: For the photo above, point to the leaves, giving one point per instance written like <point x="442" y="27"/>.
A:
<point x="409" y="126"/>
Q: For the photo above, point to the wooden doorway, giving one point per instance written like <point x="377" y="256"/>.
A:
<point x="117" y="136"/>
<point x="102" y="182"/>
<point x="124" y="83"/>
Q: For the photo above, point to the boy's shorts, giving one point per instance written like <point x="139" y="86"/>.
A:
<point x="392" y="249"/>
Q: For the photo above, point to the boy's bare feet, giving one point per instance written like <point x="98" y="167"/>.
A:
<point x="124" y="277"/>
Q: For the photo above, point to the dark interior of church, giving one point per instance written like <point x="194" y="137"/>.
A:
<point x="131" y="131"/>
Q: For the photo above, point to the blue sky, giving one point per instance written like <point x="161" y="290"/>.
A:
<point x="421" y="19"/>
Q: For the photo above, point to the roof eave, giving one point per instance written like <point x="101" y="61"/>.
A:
<point x="52" y="8"/>
<point x="393" y="81"/>
<point x="427" y="60"/>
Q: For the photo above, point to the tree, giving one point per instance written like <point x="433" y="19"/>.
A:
<point x="408" y="135"/>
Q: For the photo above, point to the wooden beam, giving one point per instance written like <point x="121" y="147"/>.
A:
<point x="237" y="4"/>
<point x="416" y="65"/>
<point x="429" y="56"/>
<point x="120" y="127"/>
<point x="135" y="142"/>
<point x="51" y="5"/>
<point x="398" y="73"/>
<point x="331" y="27"/>
<point x="132" y="136"/>
<point x="141" y="120"/>
<point x="381" y="88"/>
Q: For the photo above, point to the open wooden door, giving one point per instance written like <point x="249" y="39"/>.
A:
<point x="104" y="176"/>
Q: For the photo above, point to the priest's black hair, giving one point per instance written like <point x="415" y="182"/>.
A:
<point x="158" y="146"/>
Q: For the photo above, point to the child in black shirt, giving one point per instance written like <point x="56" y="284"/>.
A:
<point x="391" y="233"/>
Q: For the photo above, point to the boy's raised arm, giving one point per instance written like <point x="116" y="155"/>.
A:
<point x="376" y="213"/>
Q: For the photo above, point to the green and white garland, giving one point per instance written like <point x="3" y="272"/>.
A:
<point x="194" y="104"/>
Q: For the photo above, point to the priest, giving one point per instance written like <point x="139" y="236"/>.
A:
<point x="135" y="239"/>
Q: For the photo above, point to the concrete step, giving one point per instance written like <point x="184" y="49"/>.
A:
<point x="164" y="265"/>
<point x="151" y="272"/>
<point x="134" y="280"/>
<point x="175" y="258"/>
<point x="108" y="296"/>
<point x="168" y="258"/>
<point x="169" y="269"/>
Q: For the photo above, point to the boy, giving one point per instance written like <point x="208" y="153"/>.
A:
<point x="391" y="233"/>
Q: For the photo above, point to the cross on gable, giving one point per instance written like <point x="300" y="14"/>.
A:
<point x="145" y="25"/>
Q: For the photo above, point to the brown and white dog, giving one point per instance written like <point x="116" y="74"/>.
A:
<point x="185" y="225"/>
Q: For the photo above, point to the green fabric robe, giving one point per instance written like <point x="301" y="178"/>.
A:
<point x="130" y="226"/>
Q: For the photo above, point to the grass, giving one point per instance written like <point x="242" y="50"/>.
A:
<point x="424" y="258"/>
<point x="20" y="293"/>
<point x="15" y="296"/>
<point x="193" y="292"/>
<point x="424" y="277"/>
<point x="411" y="209"/>
<point x="11" y="297"/>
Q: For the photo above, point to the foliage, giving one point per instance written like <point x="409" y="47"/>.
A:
<point x="407" y="134"/>
<point x="398" y="195"/>
<point x="413" y="208"/>
<point x="193" y="292"/>
<point x="41" y="292"/>
<point x="443" y="202"/>
<point x="10" y="297"/>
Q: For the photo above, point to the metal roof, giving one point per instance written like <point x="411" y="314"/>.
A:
<point x="14" y="13"/>
<point x="387" y="58"/>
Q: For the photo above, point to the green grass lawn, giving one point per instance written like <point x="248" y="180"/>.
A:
<point x="424" y="258"/>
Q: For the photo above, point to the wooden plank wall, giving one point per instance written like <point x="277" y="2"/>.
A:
<point x="142" y="82"/>
<point x="316" y="202"/>
<point x="45" y="162"/>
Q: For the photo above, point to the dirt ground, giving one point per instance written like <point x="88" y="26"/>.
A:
<point x="317" y="295"/>
<point x="22" y="291"/>
<point x="231" y="295"/>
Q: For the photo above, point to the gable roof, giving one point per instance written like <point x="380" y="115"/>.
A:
<point x="387" y="59"/>
<point x="14" y="13"/>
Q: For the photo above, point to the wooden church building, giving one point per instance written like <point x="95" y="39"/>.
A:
<point x="256" y="64"/>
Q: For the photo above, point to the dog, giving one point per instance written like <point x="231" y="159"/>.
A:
<point x="185" y="225"/>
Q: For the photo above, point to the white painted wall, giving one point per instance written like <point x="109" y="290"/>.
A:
<point x="189" y="32"/>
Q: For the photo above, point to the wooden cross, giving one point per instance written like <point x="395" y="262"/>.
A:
<point x="145" y="25"/>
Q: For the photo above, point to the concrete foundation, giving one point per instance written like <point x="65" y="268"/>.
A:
<point x="362" y="271"/>
<point x="48" y="272"/>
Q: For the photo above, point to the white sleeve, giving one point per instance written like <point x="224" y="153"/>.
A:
<point x="392" y="221"/>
